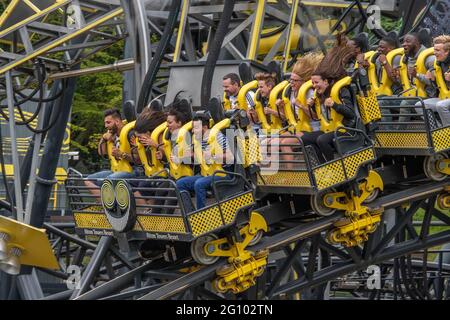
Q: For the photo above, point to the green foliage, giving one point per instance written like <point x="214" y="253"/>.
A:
<point x="94" y="93"/>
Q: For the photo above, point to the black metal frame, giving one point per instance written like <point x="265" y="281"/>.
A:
<point x="310" y="167"/>
<point x="429" y="121"/>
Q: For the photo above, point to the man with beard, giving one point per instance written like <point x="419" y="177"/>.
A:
<point x="413" y="48"/>
<point x="113" y="124"/>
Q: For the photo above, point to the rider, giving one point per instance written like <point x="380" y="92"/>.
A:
<point x="113" y="124"/>
<point x="198" y="183"/>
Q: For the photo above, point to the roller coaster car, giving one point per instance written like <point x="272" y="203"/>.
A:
<point x="410" y="130"/>
<point x="306" y="175"/>
<point x="161" y="213"/>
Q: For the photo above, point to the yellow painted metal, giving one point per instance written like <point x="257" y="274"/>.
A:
<point x="256" y="30"/>
<point x="244" y="266"/>
<point x="237" y="252"/>
<point x="160" y="223"/>
<point x="359" y="221"/>
<point x="441" y="140"/>
<point x="32" y="6"/>
<point x="416" y="88"/>
<point x="369" y="107"/>
<point x="56" y="5"/>
<point x="402" y="140"/>
<point x="181" y="28"/>
<point x="335" y="118"/>
<point x="288" y="109"/>
<point x="260" y="111"/>
<point x="372" y="182"/>
<point x="287" y="49"/>
<point x="33" y="242"/>
<point x="239" y="277"/>
<point x="329" y="4"/>
<point x="61" y="40"/>
<point x="385" y="86"/>
<point x="248" y="145"/>
<point x="84" y="220"/>
<point x="267" y="42"/>
<point x="275" y="94"/>
<point x="284" y="179"/>
<point x="152" y="166"/>
<point x="443" y="166"/>
<point x="443" y="199"/>
<point x="209" y="167"/>
<point x="242" y="100"/>
<point x="354" y="231"/>
<point x="303" y="123"/>
<point x="176" y="168"/>
<point x="210" y="219"/>
<point x="444" y="91"/>
<point x="8" y="11"/>
<point x="121" y="164"/>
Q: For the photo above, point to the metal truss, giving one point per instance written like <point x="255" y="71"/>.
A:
<point x="46" y="32"/>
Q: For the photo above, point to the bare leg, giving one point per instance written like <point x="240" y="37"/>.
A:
<point x="286" y="150"/>
<point x="93" y="189"/>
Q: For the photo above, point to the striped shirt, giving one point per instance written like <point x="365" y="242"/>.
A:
<point x="248" y="97"/>
<point x="221" y="141"/>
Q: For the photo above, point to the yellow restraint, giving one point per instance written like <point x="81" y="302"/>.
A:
<point x="242" y="100"/>
<point x="215" y="148"/>
<point x="303" y="123"/>
<point x="149" y="161"/>
<point x="444" y="91"/>
<point x="121" y="165"/>
<point x="420" y="67"/>
<point x="178" y="170"/>
<point x="267" y="121"/>
<point x="335" y="118"/>
<point x="384" y="86"/>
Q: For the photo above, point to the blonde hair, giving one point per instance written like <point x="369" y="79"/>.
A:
<point x="305" y="65"/>
<point x="443" y="39"/>
<point x="268" y="78"/>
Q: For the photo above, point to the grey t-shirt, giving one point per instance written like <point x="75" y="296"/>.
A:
<point x="430" y="88"/>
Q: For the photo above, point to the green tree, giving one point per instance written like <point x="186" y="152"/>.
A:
<point x="94" y="93"/>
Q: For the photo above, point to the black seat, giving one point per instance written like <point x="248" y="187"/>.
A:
<point x="187" y="201"/>
<point x="394" y="35"/>
<point x="129" y="110"/>
<point x="215" y="110"/>
<point x="351" y="141"/>
<point x="425" y="37"/>
<point x="245" y="72"/>
<point x="156" y="105"/>
<point x="275" y="67"/>
<point x="224" y="189"/>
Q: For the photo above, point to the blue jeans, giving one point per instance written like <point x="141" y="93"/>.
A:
<point x="200" y="185"/>
<point x="102" y="175"/>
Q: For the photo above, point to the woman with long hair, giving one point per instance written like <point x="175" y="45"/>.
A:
<point x="330" y="70"/>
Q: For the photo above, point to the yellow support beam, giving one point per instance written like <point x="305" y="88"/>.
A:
<point x="62" y="40"/>
<point x="287" y="47"/>
<point x="9" y="9"/>
<point x="256" y="30"/>
<point x="33" y="17"/>
<point x="32" y="6"/>
<point x="181" y="28"/>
